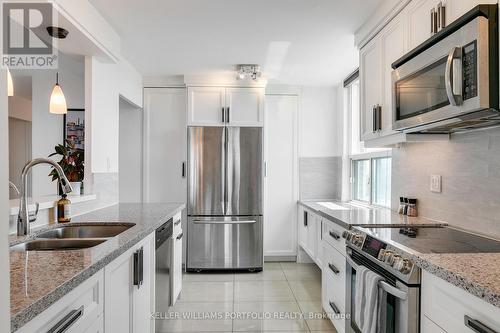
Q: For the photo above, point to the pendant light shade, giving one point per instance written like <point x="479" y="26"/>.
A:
<point x="57" y="99"/>
<point x="10" y="84"/>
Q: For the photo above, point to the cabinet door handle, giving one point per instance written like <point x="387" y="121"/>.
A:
<point x="334" y="235"/>
<point x="139" y="267"/>
<point x="374" y="116"/>
<point x="433" y="21"/>
<point x="183" y="169"/>
<point x="177" y="222"/>
<point x="477" y="326"/>
<point x="442" y="15"/>
<point x="227" y="117"/>
<point x="334" y="308"/>
<point x="334" y="269"/>
<point x="223" y="115"/>
<point x="305" y="219"/>
<point x="67" y="321"/>
<point x="379" y="118"/>
<point x="180" y="236"/>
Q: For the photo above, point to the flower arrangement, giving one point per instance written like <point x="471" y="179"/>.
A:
<point x="72" y="162"/>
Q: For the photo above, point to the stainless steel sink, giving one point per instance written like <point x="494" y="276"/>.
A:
<point x="85" y="231"/>
<point x="56" y="244"/>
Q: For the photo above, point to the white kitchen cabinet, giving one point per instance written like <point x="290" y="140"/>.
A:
<point x="302" y="226"/>
<point x="333" y="274"/>
<point x="97" y="326"/>
<point x="281" y="190"/>
<point x="82" y="306"/>
<point x="419" y="21"/>
<point x="129" y="295"/>
<point x="393" y="46"/>
<point x="177" y="237"/>
<point x="220" y="106"/>
<point x="447" y="306"/>
<point x="312" y="236"/>
<point x="165" y="145"/>
<point x="428" y="326"/>
<point x="370" y="74"/>
<point x="246" y="106"/>
<point x="332" y="234"/>
<point x="206" y="106"/>
<point x="457" y="8"/>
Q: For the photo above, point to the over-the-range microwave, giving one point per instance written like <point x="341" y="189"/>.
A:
<point x="450" y="82"/>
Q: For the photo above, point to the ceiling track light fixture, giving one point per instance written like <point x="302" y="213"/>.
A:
<point x="57" y="100"/>
<point x="249" y="71"/>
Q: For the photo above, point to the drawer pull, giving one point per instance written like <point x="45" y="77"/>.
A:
<point x="334" y="235"/>
<point x="334" y="269"/>
<point x="139" y="268"/>
<point x="334" y="308"/>
<point x="477" y="326"/>
<point x="68" y="320"/>
<point x="180" y="236"/>
<point x="177" y="222"/>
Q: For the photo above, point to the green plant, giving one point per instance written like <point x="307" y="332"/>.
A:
<point x="72" y="162"/>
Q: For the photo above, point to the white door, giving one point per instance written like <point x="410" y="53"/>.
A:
<point x="118" y="295"/>
<point x="393" y="45"/>
<point x="370" y="78"/>
<point x="419" y="21"/>
<point x="165" y="145"/>
<point x="206" y="106"/>
<point x="245" y="106"/>
<point x="280" y="220"/>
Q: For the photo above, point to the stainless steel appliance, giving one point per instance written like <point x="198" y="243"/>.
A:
<point x="163" y="269"/>
<point x="387" y="251"/>
<point x="450" y="82"/>
<point x="224" y="198"/>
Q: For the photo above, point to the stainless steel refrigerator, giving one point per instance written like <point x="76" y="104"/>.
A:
<point x="225" y="198"/>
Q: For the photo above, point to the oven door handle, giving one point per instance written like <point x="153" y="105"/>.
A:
<point x="396" y="292"/>
<point x="450" y="80"/>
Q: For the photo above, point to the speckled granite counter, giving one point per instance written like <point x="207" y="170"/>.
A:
<point x="477" y="273"/>
<point x="349" y="215"/>
<point x="38" y="279"/>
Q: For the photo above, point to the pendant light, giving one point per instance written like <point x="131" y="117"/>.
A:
<point x="10" y="84"/>
<point x="57" y="99"/>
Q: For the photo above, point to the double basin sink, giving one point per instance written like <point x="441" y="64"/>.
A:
<point x="72" y="237"/>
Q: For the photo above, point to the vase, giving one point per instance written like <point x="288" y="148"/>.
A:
<point x="77" y="188"/>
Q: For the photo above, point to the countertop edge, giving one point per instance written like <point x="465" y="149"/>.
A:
<point x="24" y="316"/>
<point x="456" y="280"/>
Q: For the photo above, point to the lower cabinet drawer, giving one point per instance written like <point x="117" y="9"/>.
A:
<point x="332" y="234"/>
<point x="333" y="286"/>
<point x="428" y="326"/>
<point x="452" y="308"/>
<point x="80" y="309"/>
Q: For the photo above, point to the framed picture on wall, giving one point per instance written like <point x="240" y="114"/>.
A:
<point x="74" y="128"/>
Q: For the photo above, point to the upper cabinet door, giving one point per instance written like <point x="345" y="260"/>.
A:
<point x="370" y="77"/>
<point x="457" y="8"/>
<point x="245" y="106"/>
<point x="206" y="106"/>
<point x="393" y="45"/>
<point x="419" y="21"/>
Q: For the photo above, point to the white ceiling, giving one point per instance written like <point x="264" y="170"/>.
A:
<point x="305" y="42"/>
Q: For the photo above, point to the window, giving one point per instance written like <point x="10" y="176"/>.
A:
<point x="370" y="174"/>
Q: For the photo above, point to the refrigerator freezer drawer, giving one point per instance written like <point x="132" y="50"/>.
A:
<point x="219" y="243"/>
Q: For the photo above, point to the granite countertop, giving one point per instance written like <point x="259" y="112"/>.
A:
<point x="349" y="215"/>
<point x="38" y="279"/>
<point x="476" y="273"/>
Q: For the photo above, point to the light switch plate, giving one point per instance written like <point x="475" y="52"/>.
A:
<point x="436" y="183"/>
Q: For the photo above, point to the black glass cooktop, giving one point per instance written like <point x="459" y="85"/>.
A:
<point x="436" y="240"/>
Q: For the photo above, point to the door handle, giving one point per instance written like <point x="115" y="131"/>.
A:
<point x="67" y="321"/>
<point x="452" y="83"/>
<point x="374" y="116"/>
<point x="477" y="326"/>
<point x="334" y="308"/>
<point x="379" y="118"/>
<point x="305" y="219"/>
<point x="223" y="222"/>
<point x="177" y="222"/>
<point x="139" y="267"/>
<point x="223" y="115"/>
<point x="183" y="169"/>
<point x="180" y="236"/>
<point x="334" y="235"/>
<point x="227" y="116"/>
<point x="334" y="269"/>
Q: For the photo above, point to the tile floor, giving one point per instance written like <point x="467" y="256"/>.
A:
<point x="249" y="302"/>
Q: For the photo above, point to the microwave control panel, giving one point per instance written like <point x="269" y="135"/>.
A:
<point x="469" y="65"/>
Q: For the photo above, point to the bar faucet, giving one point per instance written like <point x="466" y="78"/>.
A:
<point x="24" y="218"/>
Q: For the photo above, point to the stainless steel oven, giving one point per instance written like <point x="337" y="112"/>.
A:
<point x="403" y="299"/>
<point x="450" y="82"/>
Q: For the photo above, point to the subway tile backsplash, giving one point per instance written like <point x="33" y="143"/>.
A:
<point x="470" y="168"/>
<point x="320" y="178"/>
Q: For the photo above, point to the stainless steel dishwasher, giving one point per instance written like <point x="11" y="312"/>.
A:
<point x="163" y="287"/>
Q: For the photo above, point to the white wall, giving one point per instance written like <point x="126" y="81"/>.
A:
<point x="4" y="208"/>
<point x="130" y="155"/>
<point x="318" y="123"/>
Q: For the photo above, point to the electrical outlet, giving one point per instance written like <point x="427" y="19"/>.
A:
<point x="436" y="183"/>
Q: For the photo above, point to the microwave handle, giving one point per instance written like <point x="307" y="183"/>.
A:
<point x="453" y="76"/>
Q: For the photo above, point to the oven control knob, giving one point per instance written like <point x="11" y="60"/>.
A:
<point x="398" y="262"/>
<point x="406" y="266"/>
<point x="357" y="240"/>
<point x="346" y="235"/>
<point x="389" y="257"/>
<point x="381" y="255"/>
<point x="395" y="259"/>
